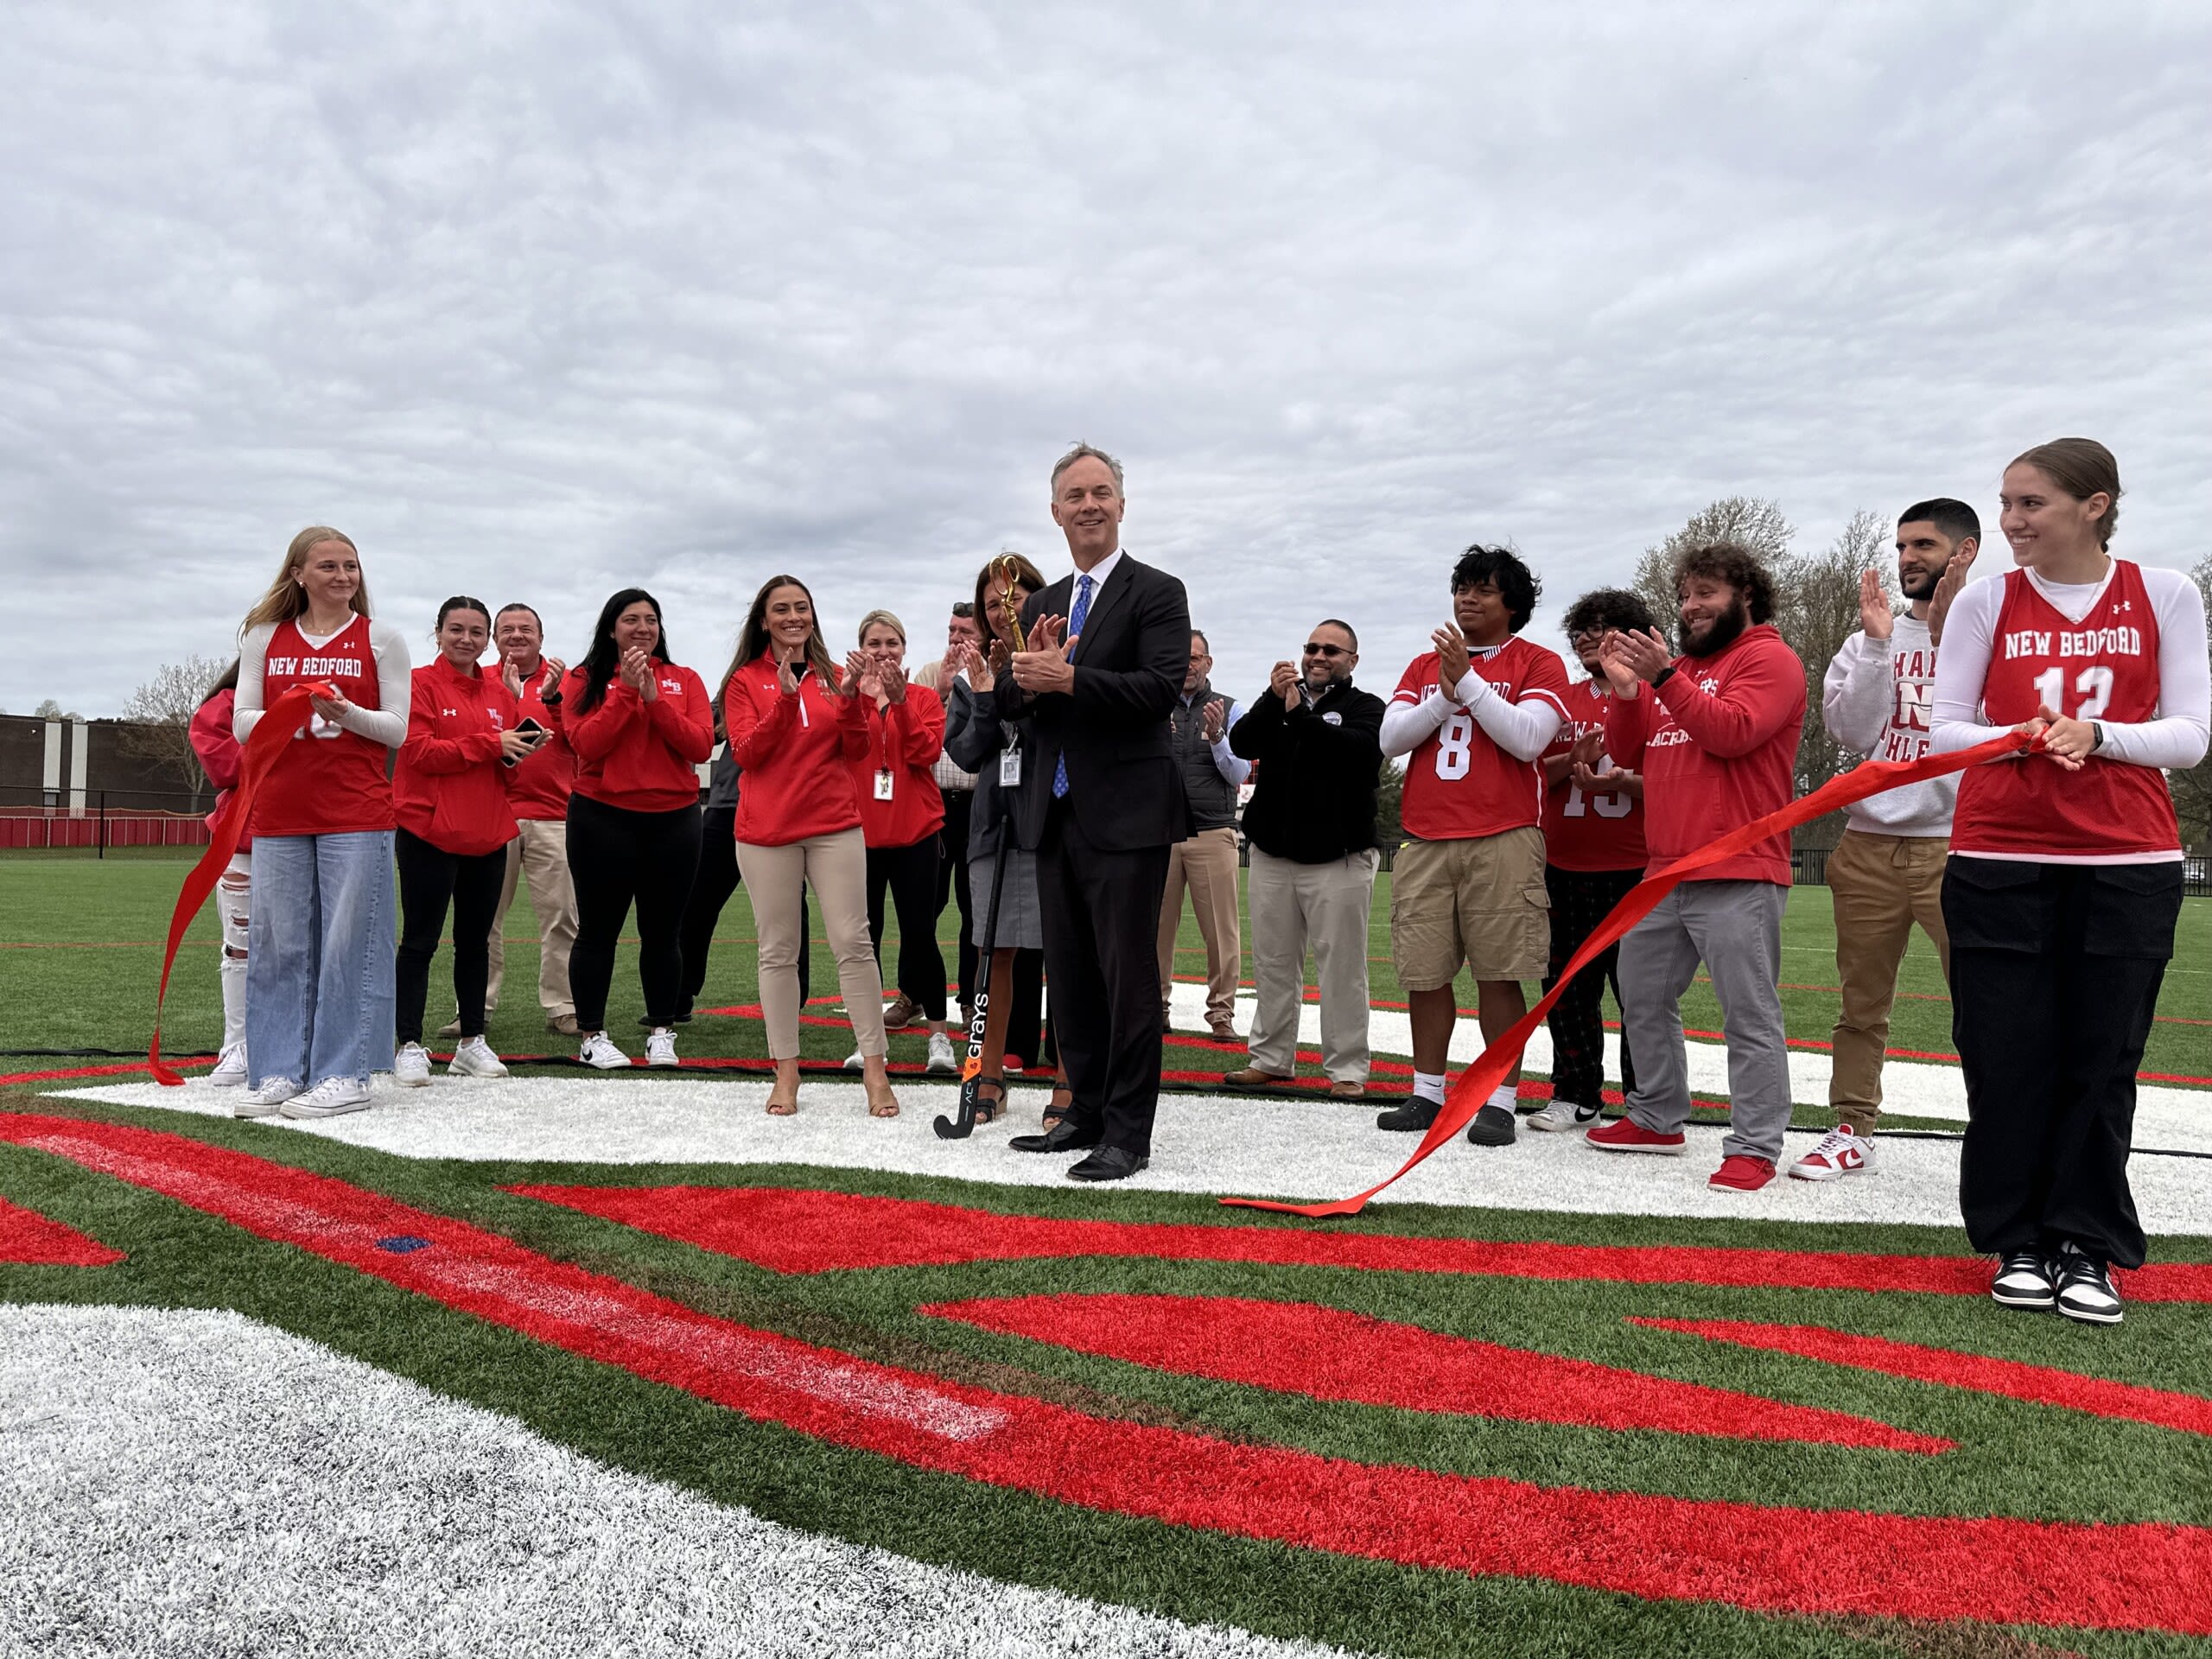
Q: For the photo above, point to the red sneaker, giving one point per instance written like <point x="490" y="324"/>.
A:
<point x="1626" y="1135"/>
<point x="1740" y="1173"/>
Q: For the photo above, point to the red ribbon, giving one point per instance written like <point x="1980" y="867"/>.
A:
<point x="1477" y="1081"/>
<point x="291" y="710"/>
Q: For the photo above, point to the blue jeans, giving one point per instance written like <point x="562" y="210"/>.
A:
<point x="319" y="958"/>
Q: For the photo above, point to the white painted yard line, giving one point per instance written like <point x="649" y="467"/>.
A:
<point x="1291" y="1147"/>
<point x="175" y="1481"/>
<point x="2173" y="1119"/>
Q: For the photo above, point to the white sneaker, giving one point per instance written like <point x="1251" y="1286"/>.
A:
<point x="331" y="1098"/>
<point x="1558" y="1115"/>
<point x="410" y="1067"/>
<point x="660" y="1047"/>
<point x="229" y="1068"/>
<point x="853" y="1062"/>
<point x="475" y="1059"/>
<point x="941" y="1061"/>
<point x="1840" y="1154"/>
<point x="266" y="1101"/>
<point x="599" y="1052"/>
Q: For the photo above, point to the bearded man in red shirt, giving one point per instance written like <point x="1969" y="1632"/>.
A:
<point x="1714" y="732"/>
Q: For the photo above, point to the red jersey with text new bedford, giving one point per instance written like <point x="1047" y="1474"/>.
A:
<point x="327" y="781"/>
<point x="1603" y="831"/>
<point x="2104" y="667"/>
<point x="1459" y="783"/>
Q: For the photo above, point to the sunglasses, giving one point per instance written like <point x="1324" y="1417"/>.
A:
<point x="1326" y="650"/>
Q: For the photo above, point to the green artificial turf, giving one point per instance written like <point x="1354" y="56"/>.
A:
<point x="2012" y="1460"/>
<point x="81" y="958"/>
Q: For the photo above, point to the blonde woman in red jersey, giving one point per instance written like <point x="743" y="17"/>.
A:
<point x="795" y="728"/>
<point x="2064" y="882"/>
<point x="319" y="958"/>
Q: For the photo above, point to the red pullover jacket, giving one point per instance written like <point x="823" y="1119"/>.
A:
<point x="539" y="783"/>
<point x="1719" y="751"/>
<point x="640" y="756"/>
<point x="220" y="755"/>
<point x="449" y="788"/>
<point x="905" y="740"/>
<point x="798" y="753"/>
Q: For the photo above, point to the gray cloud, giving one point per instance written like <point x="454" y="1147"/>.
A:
<point x="539" y="301"/>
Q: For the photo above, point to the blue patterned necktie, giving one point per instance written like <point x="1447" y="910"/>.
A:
<point x="1076" y="619"/>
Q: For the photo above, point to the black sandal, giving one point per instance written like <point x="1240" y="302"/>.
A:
<point x="1058" y="1111"/>
<point x="990" y="1109"/>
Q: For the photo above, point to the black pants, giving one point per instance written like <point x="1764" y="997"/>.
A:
<point x="910" y="874"/>
<point x="712" y="884"/>
<point x="430" y="880"/>
<point x="616" y="856"/>
<point x="1581" y="900"/>
<point x="952" y="880"/>
<point x="1027" y="1034"/>
<point x="2055" y="976"/>
<point x="1102" y="927"/>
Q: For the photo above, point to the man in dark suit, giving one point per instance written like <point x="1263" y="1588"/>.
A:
<point x="1104" y="800"/>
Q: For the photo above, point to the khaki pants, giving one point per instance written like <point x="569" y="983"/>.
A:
<point x="836" y="867"/>
<point x="1207" y="864"/>
<point x="539" y="857"/>
<point x="1326" y="904"/>
<point x="1881" y="886"/>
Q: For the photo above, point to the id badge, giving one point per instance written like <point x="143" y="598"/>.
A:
<point x="1009" y="768"/>
<point x="883" y="784"/>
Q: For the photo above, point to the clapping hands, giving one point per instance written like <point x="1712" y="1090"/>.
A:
<point x="1046" y="666"/>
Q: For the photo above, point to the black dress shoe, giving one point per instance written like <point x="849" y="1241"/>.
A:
<point x="1107" y="1163"/>
<point x="1063" y="1137"/>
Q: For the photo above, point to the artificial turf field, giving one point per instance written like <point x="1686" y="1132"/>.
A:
<point x="1541" y="1523"/>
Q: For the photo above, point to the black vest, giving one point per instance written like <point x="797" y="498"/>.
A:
<point x="1212" y="797"/>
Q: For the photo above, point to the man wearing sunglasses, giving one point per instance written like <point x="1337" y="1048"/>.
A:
<point x="1315" y="741"/>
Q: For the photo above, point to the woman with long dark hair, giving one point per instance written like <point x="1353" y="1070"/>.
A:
<point x="640" y="725"/>
<point x="2064" y="882"/>
<point x="794" y="730"/>
<point x="318" y="963"/>
<point x="454" y="824"/>
<point x="218" y="754"/>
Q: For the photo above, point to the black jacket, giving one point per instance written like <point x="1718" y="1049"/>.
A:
<point x="974" y="737"/>
<point x="1123" y="782"/>
<point x="1315" y="773"/>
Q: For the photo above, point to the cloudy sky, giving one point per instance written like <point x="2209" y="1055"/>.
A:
<point x="537" y="301"/>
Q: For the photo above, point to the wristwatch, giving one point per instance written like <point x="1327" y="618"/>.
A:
<point x="552" y="699"/>
<point x="2096" y="735"/>
<point x="1662" y="676"/>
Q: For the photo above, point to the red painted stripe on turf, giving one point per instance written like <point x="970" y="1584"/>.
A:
<point x="790" y="1230"/>
<point x="2132" y="1576"/>
<point x="1331" y="1354"/>
<point x="27" y="1236"/>
<point x="135" y="1067"/>
<point x="2098" y="1396"/>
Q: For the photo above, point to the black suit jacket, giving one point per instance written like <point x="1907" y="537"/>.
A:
<point x="1130" y="663"/>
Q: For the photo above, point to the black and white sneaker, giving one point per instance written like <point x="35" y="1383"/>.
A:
<point x="1418" y="1113"/>
<point x="2085" y="1288"/>
<point x="2024" y="1280"/>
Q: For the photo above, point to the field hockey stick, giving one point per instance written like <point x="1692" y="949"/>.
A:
<point x="971" y="1069"/>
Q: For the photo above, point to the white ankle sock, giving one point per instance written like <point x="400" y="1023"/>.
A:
<point x="1429" y="1084"/>
<point x="1504" y="1095"/>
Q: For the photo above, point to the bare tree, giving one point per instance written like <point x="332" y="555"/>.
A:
<point x="1752" y="521"/>
<point x="2193" y="789"/>
<point x="1816" y="607"/>
<point x="160" y="713"/>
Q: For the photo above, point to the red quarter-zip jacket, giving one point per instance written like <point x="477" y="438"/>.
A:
<point x="220" y="755"/>
<point x="449" y="788"/>
<point x="1718" y="750"/>
<point x="797" y="753"/>
<point x="640" y="756"/>
<point x="538" y="785"/>
<point x="904" y="739"/>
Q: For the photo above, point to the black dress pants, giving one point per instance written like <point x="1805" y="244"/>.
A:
<point x="430" y="880"/>
<point x="617" y="857"/>
<point x="952" y="879"/>
<point x="1581" y="900"/>
<point x="2055" y="976"/>
<point x="1100" y="910"/>
<point x="910" y="875"/>
<point x="712" y="884"/>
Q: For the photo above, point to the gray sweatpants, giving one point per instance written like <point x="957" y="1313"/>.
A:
<point x="1735" y="929"/>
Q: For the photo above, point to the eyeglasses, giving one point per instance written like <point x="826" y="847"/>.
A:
<point x="1576" y="636"/>
<point x="1325" y="650"/>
